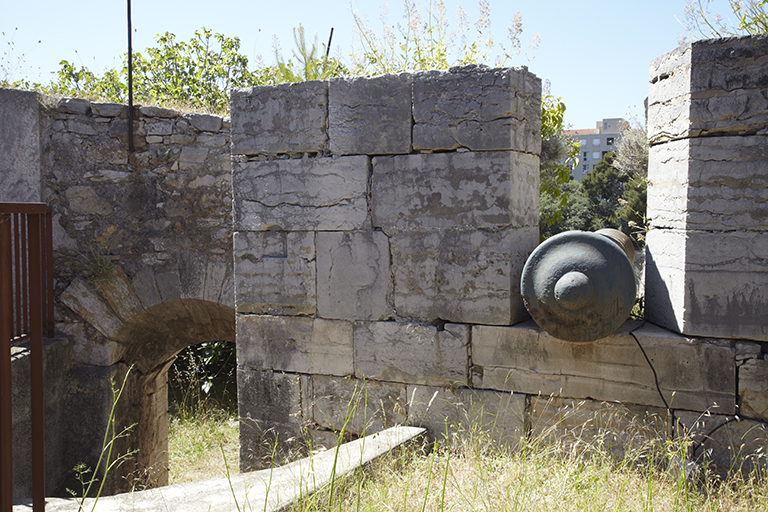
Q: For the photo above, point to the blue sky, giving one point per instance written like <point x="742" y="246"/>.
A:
<point x="595" y="53"/>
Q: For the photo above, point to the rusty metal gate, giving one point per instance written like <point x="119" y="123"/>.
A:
<point x="26" y="313"/>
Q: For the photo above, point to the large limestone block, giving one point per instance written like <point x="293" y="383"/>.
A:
<point x="275" y="272"/>
<point x="449" y="413"/>
<point x="462" y="276"/>
<point x="477" y="108"/>
<point x="619" y="428"/>
<point x="285" y="118"/>
<point x="704" y="283"/>
<point x="370" y="116"/>
<point x="294" y="344"/>
<point x="753" y="389"/>
<point x="693" y="374"/>
<point x="710" y="87"/>
<point x="709" y="183"/>
<point x="729" y="443"/>
<point x="456" y="191"/>
<point x="19" y="147"/>
<point x="366" y="406"/>
<point x="353" y="275"/>
<point x="270" y="410"/>
<point x="411" y="353"/>
<point x="302" y="194"/>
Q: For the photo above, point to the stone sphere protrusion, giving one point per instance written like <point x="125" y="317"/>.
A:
<point x="574" y="290"/>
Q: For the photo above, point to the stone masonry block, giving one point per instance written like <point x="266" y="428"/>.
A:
<point x="370" y="116"/>
<point x="370" y="405"/>
<point x="294" y="344"/>
<point x="353" y="275"/>
<point x="705" y="283"/>
<point x="456" y="191"/>
<point x="619" y="428"/>
<point x="753" y="389"/>
<point x="275" y="272"/>
<point x="19" y="146"/>
<point x="710" y="183"/>
<point x="269" y="405"/>
<point x="301" y="195"/>
<point x="710" y="87"/>
<point x="411" y="353"/>
<point x="526" y="359"/>
<point x="450" y="412"/>
<point x="477" y="108"/>
<point x="729" y="443"/>
<point x="462" y="276"/>
<point x="285" y="118"/>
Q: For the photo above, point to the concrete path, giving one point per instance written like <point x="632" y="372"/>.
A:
<point x="265" y="490"/>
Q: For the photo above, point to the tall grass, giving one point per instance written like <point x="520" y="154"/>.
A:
<point x="472" y="473"/>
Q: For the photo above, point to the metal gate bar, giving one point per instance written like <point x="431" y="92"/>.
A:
<point x="26" y="312"/>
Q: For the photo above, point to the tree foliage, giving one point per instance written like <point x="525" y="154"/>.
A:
<point x="309" y="64"/>
<point x="559" y="154"/>
<point x="750" y="17"/>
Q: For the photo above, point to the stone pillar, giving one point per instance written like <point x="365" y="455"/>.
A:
<point x="707" y="245"/>
<point x="19" y="146"/>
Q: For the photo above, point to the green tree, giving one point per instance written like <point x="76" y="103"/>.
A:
<point x="576" y="213"/>
<point x="559" y="154"/>
<point x="750" y="17"/>
<point x="604" y="186"/>
<point x="309" y="65"/>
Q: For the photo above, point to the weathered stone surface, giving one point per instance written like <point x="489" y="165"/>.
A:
<point x="729" y="443"/>
<point x="618" y="428"/>
<point x="370" y="406"/>
<point x="19" y="147"/>
<point x="477" y="108"/>
<point x="313" y="193"/>
<point x="83" y="301"/>
<point x="710" y="183"/>
<point x="80" y="127"/>
<point x="160" y="127"/>
<point x="191" y="156"/>
<point x="455" y="191"/>
<point x="269" y="405"/>
<point x="275" y="272"/>
<point x="704" y="283"/>
<point x="710" y="87"/>
<point x="204" y="122"/>
<point x="353" y="275"/>
<point x="370" y="116"/>
<point x="294" y="344"/>
<point x="158" y="112"/>
<point x="74" y="106"/>
<point x="84" y="200"/>
<point x="411" y="353"/>
<point x="448" y="413"/>
<point x="109" y="109"/>
<point x="285" y="118"/>
<point x="526" y="359"/>
<point x="120" y="295"/>
<point x="753" y="389"/>
<point x="462" y="276"/>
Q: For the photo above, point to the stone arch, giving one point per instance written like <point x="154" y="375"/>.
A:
<point x="146" y="337"/>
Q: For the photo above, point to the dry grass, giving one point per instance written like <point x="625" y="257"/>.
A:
<point x="195" y="445"/>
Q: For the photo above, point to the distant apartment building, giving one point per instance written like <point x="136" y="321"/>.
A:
<point x="595" y="143"/>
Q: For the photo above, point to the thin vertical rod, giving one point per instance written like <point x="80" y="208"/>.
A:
<point x="36" y="359"/>
<point x="48" y="287"/>
<point x="6" y="320"/>
<point x="130" y="81"/>
<point x="15" y="230"/>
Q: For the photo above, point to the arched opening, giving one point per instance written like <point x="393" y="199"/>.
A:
<point x="151" y="340"/>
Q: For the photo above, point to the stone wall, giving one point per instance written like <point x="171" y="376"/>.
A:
<point x="161" y="218"/>
<point x="376" y="220"/>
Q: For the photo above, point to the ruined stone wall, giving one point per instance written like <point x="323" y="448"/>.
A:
<point x="161" y="218"/>
<point x="376" y="220"/>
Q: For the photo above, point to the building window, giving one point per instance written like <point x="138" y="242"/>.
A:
<point x="583" y="142"/>
<point x="585" y="167"/>
<point x="609" y="141"/>
<point x="595" y="142"/>
<point x="596" y="155"/>
<point x="586" y="155"/>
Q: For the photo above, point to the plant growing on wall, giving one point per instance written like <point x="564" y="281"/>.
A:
<point x="750" y="17"/>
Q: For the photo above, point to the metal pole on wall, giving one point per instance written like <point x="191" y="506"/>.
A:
<point x="130" y="82"/>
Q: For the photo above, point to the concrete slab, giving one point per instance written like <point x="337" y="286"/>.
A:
<point x="269" y="489"/>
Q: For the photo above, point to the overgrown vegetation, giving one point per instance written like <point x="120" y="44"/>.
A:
<point x="748" y="17"/>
